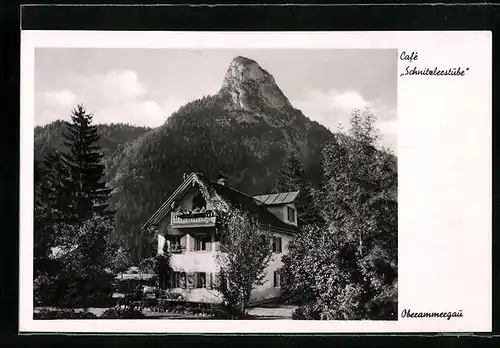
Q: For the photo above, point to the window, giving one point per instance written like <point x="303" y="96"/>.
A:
<point x="175" y="243"/>
<point x="277" y="245"/>
<point x="277" y="279"/>
<point x="201" y="278"/>
<point x="178" y="280"/>
<point x="291" y="214"/>
<point x="202" y="242"/>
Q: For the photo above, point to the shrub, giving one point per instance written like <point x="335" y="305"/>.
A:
<point x="63" y="314"/>
<point x="148" y="265"/>
<point x="121" y="261"/>
<point x="123" y="312"/>
<point x="44" y="290"/>
<point x="306" y="312"/>
<point x="93" y="289"/>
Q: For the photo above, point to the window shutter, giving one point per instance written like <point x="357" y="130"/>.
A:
<point x="279" y="244"/>
<point x="191" y="279"/>
<point x="183" y="280"/>
<point x="183" y="242"/>
<point x="208" y="280"/>
<point x="192" y="242"/>
<point x="274" y="279"/>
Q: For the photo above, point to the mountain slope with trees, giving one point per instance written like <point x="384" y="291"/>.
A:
<point x="245" y="131"/>
<point x="48" y="138"/>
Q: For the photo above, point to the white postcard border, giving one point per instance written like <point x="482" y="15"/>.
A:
<point x="444" y="168"/>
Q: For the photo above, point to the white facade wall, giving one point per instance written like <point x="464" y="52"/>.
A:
<point x="267" y="290"/>
<point x="281" y="212"/>
<point x="205" y="261"/>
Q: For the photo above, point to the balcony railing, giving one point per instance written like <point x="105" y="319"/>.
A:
<point x="179" y="249"/>
<point x="176" y="249"/>
<point x="193" y="218"/>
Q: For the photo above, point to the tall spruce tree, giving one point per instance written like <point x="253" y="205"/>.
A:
<point x="85" y="169"/>
<point x="56" y="187"/>
<point x="292" y="178"/>
<point x="50" y="206"/>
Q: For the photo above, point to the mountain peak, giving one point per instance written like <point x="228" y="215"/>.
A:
<point x="243" y="61"/>
<point x="243" y="69"/>
<point x="250" y="86"/>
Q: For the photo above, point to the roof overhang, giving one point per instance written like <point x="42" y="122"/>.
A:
<point x="167" y="205"/>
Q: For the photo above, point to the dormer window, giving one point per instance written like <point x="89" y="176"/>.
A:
<point x="291" y="214"/>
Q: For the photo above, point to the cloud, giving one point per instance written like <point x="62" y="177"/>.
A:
<point x="63" y="98"/>
<point x="388" y="127"/>
<point x="334" y="107"/>
<point x="331" y="107"/>
<point x="145" y="112"/>
<point x="113" y="96"/>
<point x="112" y="88"/>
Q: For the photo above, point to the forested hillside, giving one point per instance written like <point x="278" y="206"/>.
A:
<point x="204" y="136"/>
<point x="48" y="137"/>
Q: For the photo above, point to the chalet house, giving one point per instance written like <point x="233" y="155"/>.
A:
<point x="186" y="227"/>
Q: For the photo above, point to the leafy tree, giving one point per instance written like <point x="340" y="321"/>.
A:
<point x="90" y="239"/>
<point x="83" y="260"/>
<point x="147" y="265"/>
<point x="244" y="255"/>
<point x="86" y="172"/>
<point x="297" y="273"/>
<point x="292" y="177"/>
<point x="353" y="258"/>
<point x="121" y="261"/>
<point x="361" y="215"/>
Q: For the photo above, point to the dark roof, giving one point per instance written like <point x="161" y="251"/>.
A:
<point x="277" y="198"/>
<point x="249" y="204"/>
<point x="229" y="195"/>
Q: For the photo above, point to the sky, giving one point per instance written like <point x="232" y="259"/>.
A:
<point x="145" y="86"/>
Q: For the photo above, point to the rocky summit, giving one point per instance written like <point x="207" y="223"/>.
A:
<point x="248" y="87"/>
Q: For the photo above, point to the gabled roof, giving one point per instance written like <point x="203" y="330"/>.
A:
<point x="251" y="205"/>
<point x="277" y="198"/>
<point x="225" y="196"/>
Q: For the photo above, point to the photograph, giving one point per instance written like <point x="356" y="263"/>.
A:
<point x="280" y="183"/>
<point x="215" y="183"/>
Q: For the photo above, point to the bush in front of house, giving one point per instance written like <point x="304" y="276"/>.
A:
<point x="212" y="310"/>
<point x="306" y="312"/>
<point x="63" y="314"/>
<point x="123" y="312"/>
<point x="70" y="291"/>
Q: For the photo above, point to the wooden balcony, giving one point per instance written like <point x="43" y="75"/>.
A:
<point x="193" y="219"/>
